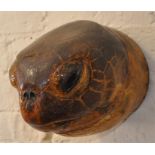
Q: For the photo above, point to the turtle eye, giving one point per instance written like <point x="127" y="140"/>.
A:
<point x="69" y="76"/>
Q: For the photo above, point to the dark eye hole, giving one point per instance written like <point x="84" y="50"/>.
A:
<point x="69" y="76"/>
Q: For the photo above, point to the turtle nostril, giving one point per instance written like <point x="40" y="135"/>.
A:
<point x="29" y="95"/>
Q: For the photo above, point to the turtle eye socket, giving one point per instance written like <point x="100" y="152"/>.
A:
<point x="69" y="76"/>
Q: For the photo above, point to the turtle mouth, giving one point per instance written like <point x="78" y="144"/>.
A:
<point x="55" y="126"/>
<point x="66" y="120"/>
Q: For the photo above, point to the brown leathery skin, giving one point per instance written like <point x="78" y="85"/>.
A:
<point x="80" y="79"/>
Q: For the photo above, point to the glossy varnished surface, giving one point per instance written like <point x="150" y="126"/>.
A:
<point x="80" y="79"/>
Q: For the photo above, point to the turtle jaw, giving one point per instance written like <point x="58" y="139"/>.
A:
<point x="57" y="126"/>
<point x="46" y="113"/>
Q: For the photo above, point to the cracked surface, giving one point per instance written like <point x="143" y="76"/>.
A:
<point x="19" y="29"/>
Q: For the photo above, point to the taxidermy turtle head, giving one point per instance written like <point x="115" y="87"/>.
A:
<point x="79" y="79"/>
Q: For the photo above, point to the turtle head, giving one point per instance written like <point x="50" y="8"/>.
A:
<point x="53" y="76"/>
<point x="49" y="88"/>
